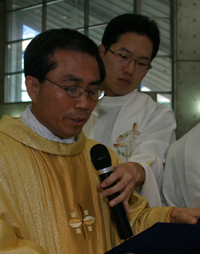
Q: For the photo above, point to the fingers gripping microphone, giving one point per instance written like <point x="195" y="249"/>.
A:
<point x="102" y="162"/>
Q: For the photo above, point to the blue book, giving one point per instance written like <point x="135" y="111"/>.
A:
<point x="163" y="238"/>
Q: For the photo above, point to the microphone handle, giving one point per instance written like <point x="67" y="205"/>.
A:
<point x="118" y="213"/>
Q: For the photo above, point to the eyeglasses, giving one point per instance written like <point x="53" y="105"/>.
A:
<point x="76" y="91"/>
<point x="126" y="58"/>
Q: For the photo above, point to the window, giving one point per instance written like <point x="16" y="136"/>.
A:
<point x="26" y="19"/>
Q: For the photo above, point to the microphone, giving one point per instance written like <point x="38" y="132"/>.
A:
<point x="102" y="162"/>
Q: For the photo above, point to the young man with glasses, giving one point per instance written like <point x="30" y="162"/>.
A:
<point x="48" y="197"/>
<point x="127" y="121"/>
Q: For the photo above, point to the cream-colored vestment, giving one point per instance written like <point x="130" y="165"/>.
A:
<point x="181" y="180"/>
<point x="138" y="130"/>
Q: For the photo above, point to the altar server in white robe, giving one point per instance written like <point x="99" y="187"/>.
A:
<point x="131" y="123"/>
<point x="181" y="181"/>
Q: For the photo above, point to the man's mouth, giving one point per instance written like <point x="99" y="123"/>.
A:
<point x="78" y="121"/>
<point x="126" y="81"/>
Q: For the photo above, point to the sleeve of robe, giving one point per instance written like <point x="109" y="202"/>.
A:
<point x="14" y="237"/>
<point x="181" y="175"/>
<point x="173" y="182"/>
<point x="151" y="150"/>
<point x="143" y="216"/>
<point x="11" y="243"/>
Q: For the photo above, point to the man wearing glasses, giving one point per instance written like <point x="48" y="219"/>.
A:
<point x="48" y="197"/>
<point x="131" y="123"/>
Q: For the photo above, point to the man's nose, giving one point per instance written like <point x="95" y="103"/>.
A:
<point x="130" y="68"/>
<point x="83" y="101"/>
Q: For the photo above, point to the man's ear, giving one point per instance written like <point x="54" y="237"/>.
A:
<point x="32" y="86"/>
<point x="101" y="50"/>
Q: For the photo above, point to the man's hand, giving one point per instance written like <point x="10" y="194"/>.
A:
<point x="127" y="175"/>
<point x="185" y="215"/>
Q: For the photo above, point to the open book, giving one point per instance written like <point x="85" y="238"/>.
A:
<point x="163" y="238"/>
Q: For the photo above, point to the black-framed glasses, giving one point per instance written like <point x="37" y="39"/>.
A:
<point x="76" y="91"/>
<point x="126" y="58"/>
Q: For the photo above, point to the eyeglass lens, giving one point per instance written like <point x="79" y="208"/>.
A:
<point x="76" y="91"/>
<point x="126" y="59"/>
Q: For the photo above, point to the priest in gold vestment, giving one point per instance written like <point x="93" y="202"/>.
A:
<point x="49" y="202"/>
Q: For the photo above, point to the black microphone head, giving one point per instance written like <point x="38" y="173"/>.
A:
<point x="100" y="156"/>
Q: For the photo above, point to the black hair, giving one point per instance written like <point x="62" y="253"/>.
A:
<point x="39" y="51"/>
<point x="135" y="23"/>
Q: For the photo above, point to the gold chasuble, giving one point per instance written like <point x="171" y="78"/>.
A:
<point x="48" y="198"/>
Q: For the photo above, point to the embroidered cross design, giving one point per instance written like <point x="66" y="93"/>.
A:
<point x="120" y="142"/>
<point x="82" y="221"/>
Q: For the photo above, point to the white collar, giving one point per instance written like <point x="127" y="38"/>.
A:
<point x="30" y="120"/>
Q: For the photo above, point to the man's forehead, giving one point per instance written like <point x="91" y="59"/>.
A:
<point x="76" y="66"/>
<point x="68" y="52"/>
<point x="131" y="42"/>
<point x="125" y="37"/>
<point x="71" y="55"/>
